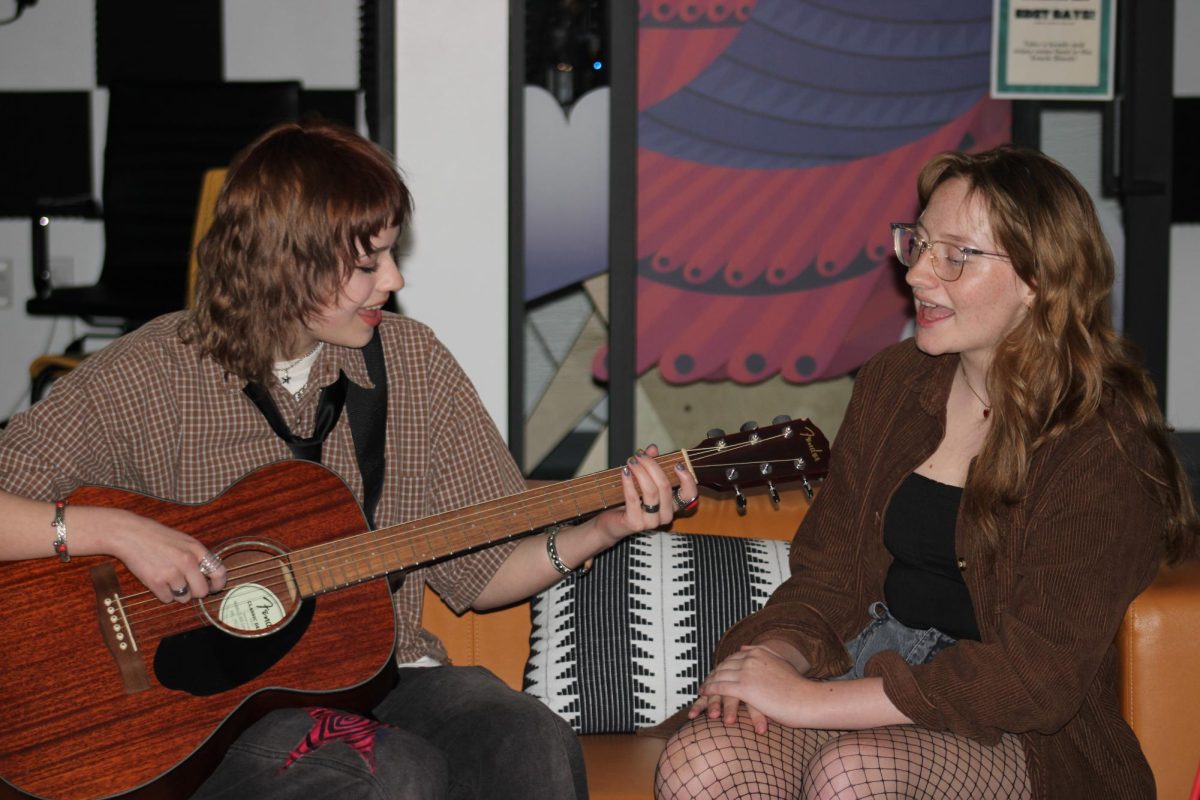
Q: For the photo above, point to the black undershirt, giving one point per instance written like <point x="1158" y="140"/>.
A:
<point x="924" y="587"/>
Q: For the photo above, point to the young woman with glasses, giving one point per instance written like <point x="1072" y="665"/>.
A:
<point x="1004" y="485"/>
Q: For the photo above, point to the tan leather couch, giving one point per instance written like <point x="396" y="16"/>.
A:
<point x="1160" y="652"/>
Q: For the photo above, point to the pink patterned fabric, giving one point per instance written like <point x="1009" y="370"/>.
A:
<point x="337" y="726"/>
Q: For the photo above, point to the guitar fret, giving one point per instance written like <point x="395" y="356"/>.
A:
<point x="402" y="550"/>
<point x="378" y="564"/>
<point x="599" y="490"/>
<point x="302" y="571"/>
<point x="352" y="565"/>
<point x="337" y="570"/>
<point x="328" y="568"/>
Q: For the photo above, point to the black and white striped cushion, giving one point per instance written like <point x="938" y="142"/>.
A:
<point x="628" y="644"/>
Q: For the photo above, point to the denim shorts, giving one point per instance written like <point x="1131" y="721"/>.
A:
<point x="914" y="645"/>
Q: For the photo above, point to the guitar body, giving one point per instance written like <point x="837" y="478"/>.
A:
<point x="86" y="715"/>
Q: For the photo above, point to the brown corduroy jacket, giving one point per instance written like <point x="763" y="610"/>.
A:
<point x="1083" y="542"/>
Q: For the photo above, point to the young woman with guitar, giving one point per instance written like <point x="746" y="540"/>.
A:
<point x="289" y="354"/>
<point x="1006" y="484"/>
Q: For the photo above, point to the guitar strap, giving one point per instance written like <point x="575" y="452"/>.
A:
<point x="368" y="425"/>
<point x="368" y="422"/>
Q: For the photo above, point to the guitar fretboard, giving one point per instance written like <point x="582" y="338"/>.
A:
<point x="344" y="562"/>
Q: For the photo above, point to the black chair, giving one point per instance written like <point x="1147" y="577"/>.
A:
<point x="161" y="138"/>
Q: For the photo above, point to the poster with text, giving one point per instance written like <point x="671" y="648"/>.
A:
<point x="1053" y="49"/>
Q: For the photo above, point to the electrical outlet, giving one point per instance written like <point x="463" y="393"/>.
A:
<point x="6" y="284"/>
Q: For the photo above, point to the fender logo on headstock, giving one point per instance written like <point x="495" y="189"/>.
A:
<point x="811" y="437"/>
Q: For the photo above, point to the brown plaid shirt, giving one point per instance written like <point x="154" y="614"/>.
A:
<point x="151" y="414"/>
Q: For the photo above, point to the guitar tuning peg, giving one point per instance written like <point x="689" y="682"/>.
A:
<point x="782" y="418"/>
<point x="807" y="486"/>
<point x="715" y="433"/>
<point x="749" y="426"/>
<point x="741" y="501"/>
<point x="774" y="493"/>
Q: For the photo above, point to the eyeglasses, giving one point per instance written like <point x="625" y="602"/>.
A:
<point x="948" y="259"/>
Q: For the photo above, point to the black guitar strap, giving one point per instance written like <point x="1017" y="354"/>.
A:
<point x="368" y="425"/>
<point x="368" y="422"/>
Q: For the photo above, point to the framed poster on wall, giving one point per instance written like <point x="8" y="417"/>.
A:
<point x="1053" y="49"/>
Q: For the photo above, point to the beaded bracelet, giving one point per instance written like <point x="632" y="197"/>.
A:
<point x="556" y="561"/>
<point x="60" y="525"/>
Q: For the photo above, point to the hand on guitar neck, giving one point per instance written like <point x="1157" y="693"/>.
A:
<point x="646" y="489"/>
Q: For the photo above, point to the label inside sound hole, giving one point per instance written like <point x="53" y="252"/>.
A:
<point x="251" y="607"/>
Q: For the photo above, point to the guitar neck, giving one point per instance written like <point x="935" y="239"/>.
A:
<point x="351" y="560"/>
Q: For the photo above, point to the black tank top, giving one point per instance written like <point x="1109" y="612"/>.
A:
<point x="924" y="587"/>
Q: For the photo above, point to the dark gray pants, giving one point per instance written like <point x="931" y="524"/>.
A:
<point x="453" y="732"/>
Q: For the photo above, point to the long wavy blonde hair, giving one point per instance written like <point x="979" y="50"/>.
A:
<point x="296" y="207"/>
<point x="1053" y="371"/>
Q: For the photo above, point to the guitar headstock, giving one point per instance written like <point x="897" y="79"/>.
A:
<point x="786" y="450"/>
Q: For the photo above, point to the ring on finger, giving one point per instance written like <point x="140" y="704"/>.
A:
<point x="182" y="591"/>
<point x="210" y="563"/>
<point x="650" y="509"/>
<point x="680" y="503"/>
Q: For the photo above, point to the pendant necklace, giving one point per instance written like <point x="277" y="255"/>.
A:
<point x="284" y="372"/>
<point x="986" y="408"/>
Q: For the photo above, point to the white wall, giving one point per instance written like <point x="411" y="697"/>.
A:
<point x="313" y="41"/>
<point x="1183" y="355"/>
<point x="452" y="143"/>
<point x="1073" y="137"/>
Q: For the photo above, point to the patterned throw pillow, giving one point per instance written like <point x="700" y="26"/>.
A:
<point x="627" y="645"/>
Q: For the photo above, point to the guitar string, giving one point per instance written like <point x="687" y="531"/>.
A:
<point x="283" y="581"/>
<point x="546" y="497"/>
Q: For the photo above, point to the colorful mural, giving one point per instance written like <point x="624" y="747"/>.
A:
<point x="777" y="140"/>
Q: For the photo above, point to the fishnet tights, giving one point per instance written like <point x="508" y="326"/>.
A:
<point x="707" y="760"/>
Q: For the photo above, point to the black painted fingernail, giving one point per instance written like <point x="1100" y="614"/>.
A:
<point x="680" y="467"/>
<point x="625" y="471"/>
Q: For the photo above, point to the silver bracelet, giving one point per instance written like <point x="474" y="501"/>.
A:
<point x="556" y="561"/>
<point x="60" y="526"/>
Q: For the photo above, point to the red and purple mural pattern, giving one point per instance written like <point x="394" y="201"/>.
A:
<point x="777" y="141"/>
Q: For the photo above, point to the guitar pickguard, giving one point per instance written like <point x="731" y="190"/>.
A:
<point x="207" y="661"/>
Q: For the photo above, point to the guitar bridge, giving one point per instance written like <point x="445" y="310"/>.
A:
<point x="116" y="630"/>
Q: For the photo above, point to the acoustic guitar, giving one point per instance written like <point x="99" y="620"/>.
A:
<point x="106" y="691"/>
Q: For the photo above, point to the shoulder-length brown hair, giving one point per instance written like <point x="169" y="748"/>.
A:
<point x="1052" y="372"/>
<point x="296" y="206"/>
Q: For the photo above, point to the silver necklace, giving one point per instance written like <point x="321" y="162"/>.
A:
<point x="284" y="373"/>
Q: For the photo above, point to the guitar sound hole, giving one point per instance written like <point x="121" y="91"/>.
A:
<point x="207" y="661"/>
